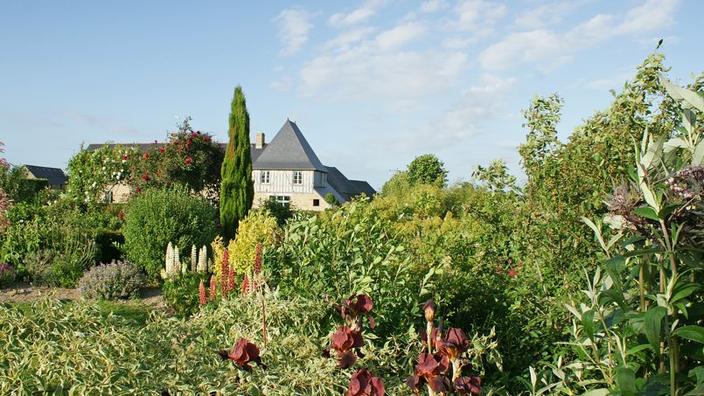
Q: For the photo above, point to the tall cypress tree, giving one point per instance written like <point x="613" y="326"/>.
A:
<point x="237" y="187"/>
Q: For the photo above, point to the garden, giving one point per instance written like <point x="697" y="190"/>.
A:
<point x="584" y="279"/>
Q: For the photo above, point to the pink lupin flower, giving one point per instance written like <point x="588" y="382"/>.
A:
<point x="213" y="288"/>
<point x="201" y="294"/>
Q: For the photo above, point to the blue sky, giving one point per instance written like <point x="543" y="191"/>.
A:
<point x="372" y="84"/>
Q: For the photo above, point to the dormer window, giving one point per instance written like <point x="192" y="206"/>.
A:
<point x="264" y="177"/>
<point x="297" y="177"/>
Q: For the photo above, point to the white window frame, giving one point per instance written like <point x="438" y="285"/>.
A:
<point x="264" y="177"/>
<point x="282" y="199"/>
<point x="297" y="177"/>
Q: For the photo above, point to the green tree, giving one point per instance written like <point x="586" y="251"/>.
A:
<point x="237" y="187"/>
<point x="496" y="177"/>
<point x="427" y="169"/>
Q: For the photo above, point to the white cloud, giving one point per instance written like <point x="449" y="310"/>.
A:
<point x="649" y="16"/>
<point x="344" y="40"/>
<point x="478" y="15"/>
<point x="400" y="35"/>
<point x="293" y="28"/>
<point x="548" y="48"/>
<point x="482" y="102"/>
<point x="433" y="5"/>
<point x="358" y="15"/>
<point x="537" y="46"/>
<point x="545" y="14"/>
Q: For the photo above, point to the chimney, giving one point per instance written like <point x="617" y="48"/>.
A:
<point x="259" y="143"/>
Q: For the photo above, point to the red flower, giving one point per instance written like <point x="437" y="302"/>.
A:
<point x="213" y="288"/>
<point x="468" y="385"/>
<point x="145" y="177"/>
<point x="162" y="149"/>
<point x="434" y="337"/>
<point x="355" y="305"/>
<point x="224" y="269"/>
<point x="188" y="161"/>
<point x="242" y="353"/>
<point x="431" y="369"/>
<point x="245" y="285"/>
<point x="125" y="157"/>
<point x="258" y="259"/>
<point x="145" y="156"/>
<point x="454" y="344"/>
<point x="201" y="293"/>
<point x="364" y="383"/>
<point x="344" y="341"/>
<point x="512" y="273"/>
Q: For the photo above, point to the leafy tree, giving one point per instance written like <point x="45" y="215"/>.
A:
<point x="331" y="200"/>
<point x="496" y="177"/>
<point x="427" y="169"/>
<point x="237" y="188"/>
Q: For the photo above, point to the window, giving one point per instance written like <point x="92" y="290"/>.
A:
<point x="282" y="199"/>
<point x="297" y="177"/>
<point x="316" y="202"/>
<point x="264" y="177"/>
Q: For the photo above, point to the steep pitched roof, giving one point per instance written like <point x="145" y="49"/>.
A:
<point x="54" y="176"/>
<point x="288" y="150"/>
<point x="348" y="188"/>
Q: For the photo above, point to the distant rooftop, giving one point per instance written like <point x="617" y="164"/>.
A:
<point x="55" y="177"/>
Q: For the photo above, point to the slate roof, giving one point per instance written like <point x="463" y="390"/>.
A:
<point x="54" y="176"/>
<point x="346" y="187"/>
<point x="288" y="150"/>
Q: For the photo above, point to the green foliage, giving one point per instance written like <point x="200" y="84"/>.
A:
<point x="92" y="173"/>
<point x="259" y="227"/>
<point x="357" y="249"/>
<point x="496" y="177"/>
<point x="190" y="159"/>
<point x="640" y="326"/>
<point x="156" y="217"/>
<point x="53" y="243"/>
<point x="280" y="211"/>
<point x="331" y="200"/>
<point x="7" y="274"/>
<point x="117" y="353"/>
<point x="237" y="188"/>
<point x="181" y="293"/>
<point x="14" y="181"/>
<point x="112" y="281"/>
<point x="427" y="169"/>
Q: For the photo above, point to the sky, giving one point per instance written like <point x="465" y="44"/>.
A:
<point x="372" y="84"/>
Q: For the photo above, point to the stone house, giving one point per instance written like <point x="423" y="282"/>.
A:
<point x="286" y="169"/>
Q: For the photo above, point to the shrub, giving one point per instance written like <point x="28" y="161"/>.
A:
<point x="7" y="274"/>
<point x="181" y="293"/>
<point x="258" y="227"/>
<point x="118" y="279"/>
<point x="281" y="211"/>
<point x="63" y="265"/>
<point x="351" y="250"/>
<point x="156" y="217"/>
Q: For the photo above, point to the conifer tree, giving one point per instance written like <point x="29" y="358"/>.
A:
<point x="237" y="187"/>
